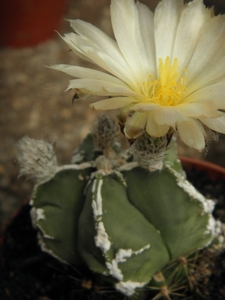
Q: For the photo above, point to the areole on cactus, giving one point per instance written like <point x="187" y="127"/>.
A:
<point x="125" y="222"/>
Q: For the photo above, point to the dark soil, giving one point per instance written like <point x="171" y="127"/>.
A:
<point x="28" y="273"/>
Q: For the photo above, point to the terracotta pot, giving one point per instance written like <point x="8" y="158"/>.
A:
<point x="26" y="23"/>
<point x="212" y="170"/>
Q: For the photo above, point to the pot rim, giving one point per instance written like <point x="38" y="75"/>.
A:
<point x="213" y="170"/>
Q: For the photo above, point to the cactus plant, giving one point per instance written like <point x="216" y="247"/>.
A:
<point x="123" y="221"/>
<point x="130" y="215"/>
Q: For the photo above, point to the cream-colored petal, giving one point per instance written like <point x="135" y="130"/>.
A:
<point x="81" y="72"/>
<point x="126" y="27"/>
<point x="135" y="125"/>
<point x="192" y="20"/>
<point x="213" y="93"/>
<point x="109" y="64"/>
<point x="166" y="18"/>
<point x="208" y="60"/>
<point x="217" y="124"/>
<point x="145" y="107"/>
<point x="167" y="115"/>
<point x="153" y="128"/>
<point x="72" y="41"/>
<point x="146" y="21"/>
<point x="99" y="87"/>
<point x="116" y="69"/>
<point x="102" y="40"/>
<point x="112" y="103"/>
<point x="91" y="52"/>
<point x="192" y="134"/>
<point x="216" y="92"/>
<point x="197" y="110"/>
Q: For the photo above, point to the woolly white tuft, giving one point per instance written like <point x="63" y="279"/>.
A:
<point x="37" y="159"/>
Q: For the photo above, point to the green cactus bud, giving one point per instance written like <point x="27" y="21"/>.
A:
<point x="174" y="207"/>
<point x="105" y="132"/>
<point x="102" y="140"/>
<point x="149" y="152"/>
<point x="57" y="205"/>
<point x="116" y="240"/>
<point x="171" y="158"/>
<point x="86" y="151"/>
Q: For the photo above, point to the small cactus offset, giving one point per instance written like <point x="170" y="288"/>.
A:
<point x="131" y="222"/>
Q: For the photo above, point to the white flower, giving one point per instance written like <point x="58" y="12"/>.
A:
<point x="164" y="71"/>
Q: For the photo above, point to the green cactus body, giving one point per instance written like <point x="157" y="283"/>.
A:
<point x="124" y="245"/>
<point x="171" y="159"/>
<point x="86" y="151"/>
<point x="57" y="204"/>
<point x="174" y="207"/>
<point x="121" y="220"/>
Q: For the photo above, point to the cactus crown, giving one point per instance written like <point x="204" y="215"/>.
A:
<point x="126" y="215"/>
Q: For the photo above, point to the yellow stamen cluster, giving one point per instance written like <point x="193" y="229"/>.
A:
<point x="168" y="89"/>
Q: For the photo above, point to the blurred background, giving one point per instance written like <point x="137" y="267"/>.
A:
<point x="32" y="98"/>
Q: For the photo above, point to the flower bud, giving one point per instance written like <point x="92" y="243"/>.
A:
<point x="105" y="132"/>
<point x="149" y="152"/>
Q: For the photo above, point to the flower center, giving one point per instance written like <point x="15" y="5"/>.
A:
<point x="169" y="88"/>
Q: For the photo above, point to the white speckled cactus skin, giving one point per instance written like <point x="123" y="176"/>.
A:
<point x="109" y="211"/>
